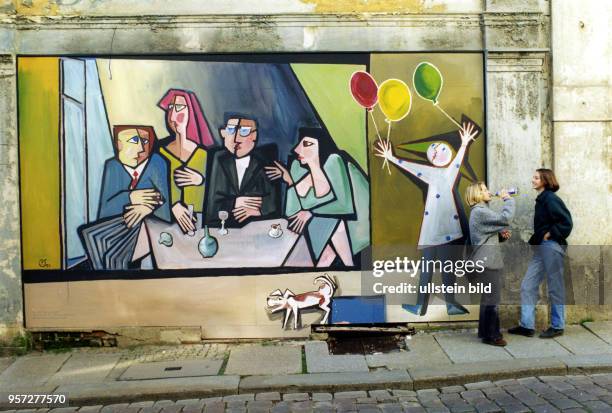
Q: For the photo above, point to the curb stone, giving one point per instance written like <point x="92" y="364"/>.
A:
<point x="403" y="382"/>
<point x="327" y="382"/>
<point x="457" y="374"/>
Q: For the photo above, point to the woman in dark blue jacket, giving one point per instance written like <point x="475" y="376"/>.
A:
<point x="552" y="224"/>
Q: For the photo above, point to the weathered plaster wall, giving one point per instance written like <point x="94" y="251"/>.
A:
<point x="582" y="122"/>
<point x="582" y="113"/>
<point x="515" y="32"/>
<point x="11" y="313"/>
<point x="161" y="7"/>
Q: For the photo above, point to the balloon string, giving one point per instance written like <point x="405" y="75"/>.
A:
<point x="385" y="162"/>
<point x="447" y="115"/>
<point x="388" y="128"/>
<point x="388" y="142"/>
<point x="374" y="122"/>
<point x="378" y="135"/>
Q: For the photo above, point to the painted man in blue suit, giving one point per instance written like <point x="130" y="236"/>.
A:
<point x="135" y="182"/>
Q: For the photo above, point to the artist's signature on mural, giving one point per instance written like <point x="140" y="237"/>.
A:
<point x="42" y="263"/>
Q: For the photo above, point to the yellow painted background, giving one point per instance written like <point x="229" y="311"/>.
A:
<point x="38" y="88"/>
<point x="398" y="203"/>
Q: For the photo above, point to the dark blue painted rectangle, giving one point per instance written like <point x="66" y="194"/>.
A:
<point x="358" y="309"/>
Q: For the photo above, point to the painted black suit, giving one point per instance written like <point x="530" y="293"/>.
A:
<point x="223" y="188"/>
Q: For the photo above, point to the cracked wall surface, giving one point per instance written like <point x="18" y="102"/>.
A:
<point x="11" y="306"/>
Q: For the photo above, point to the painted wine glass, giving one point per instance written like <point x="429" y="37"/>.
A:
<point x="190" y="212"/>
<point x="223" y="215"/>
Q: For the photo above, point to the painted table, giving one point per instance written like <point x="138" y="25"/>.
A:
<point x="246" y="247"/>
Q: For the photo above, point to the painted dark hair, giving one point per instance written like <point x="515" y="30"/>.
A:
<point x="240" y="116"/>
<point x="237" y="115"/>
<point x="327" y="146"/>
<point x="547" y="176"/>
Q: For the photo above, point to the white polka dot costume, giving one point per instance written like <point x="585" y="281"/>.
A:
<point x="440" y="223"/>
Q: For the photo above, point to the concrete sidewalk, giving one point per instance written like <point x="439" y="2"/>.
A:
<point x="432" y="360"/>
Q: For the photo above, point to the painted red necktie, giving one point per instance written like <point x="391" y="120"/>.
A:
<point x="134" y="180"/>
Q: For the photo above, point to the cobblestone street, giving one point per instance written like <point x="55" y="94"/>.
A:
<point x="305" y="376"/>
<point x="544" y="394"/>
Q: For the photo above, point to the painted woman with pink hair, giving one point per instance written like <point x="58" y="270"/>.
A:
<point x="185" y="151"/>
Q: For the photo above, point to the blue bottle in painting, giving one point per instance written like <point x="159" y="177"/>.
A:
<point x="208" y="245"/>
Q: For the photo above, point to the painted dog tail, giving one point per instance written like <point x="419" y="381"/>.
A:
<point x="327" y="280"/>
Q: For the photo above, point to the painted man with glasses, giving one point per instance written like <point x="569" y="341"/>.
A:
<point x="238" y="182"/>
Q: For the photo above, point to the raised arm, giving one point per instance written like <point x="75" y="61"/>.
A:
<point x="423" y="172"/>
<point x="468" y="133"/>
<point x="491" y="222"/>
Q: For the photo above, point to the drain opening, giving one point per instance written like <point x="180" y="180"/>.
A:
<point x="366" y="338"/>
<point x="365" y="343"/>
<point x="173" y="368"/>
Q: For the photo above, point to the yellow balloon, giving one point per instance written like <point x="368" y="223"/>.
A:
<point x="394" y="99"/>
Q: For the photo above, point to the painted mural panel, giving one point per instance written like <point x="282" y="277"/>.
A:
<point x="433" y="152"/>
<point x="247" y="164"/>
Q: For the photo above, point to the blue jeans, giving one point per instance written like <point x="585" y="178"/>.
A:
<point x="547" y="262"/>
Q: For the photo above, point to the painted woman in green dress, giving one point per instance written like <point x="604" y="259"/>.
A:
<point x="185" y="151"/>
<point x="327" y="199"/>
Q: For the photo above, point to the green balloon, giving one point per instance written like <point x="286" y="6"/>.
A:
<point x="428" y="81"/>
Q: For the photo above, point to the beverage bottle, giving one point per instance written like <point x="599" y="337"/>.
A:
<point x="511" y="191"/>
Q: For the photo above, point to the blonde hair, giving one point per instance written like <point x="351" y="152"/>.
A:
<point x="475" y="193"/>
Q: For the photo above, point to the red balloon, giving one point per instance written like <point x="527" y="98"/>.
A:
<point x="364" y="89"/>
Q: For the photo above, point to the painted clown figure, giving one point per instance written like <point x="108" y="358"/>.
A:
<point x="441" y="225"/>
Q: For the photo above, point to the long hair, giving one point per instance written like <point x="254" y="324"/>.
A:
<point x="197" y="127"/>
<point x="547" y="176"/>
<point x="327" y="146"/>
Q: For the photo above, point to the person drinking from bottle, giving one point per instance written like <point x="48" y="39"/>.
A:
<point x="487" y="228"/>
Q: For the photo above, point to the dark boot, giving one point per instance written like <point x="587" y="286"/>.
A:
<point x="499" y="342"/>
<point x="521" y="331"/>
<point x="552" y="332"/>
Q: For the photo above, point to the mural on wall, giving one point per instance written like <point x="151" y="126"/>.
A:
<point x="435" y="155"/>
<point x="440" y="225"/>
<point x="246" y="164"/>
<point x="292" y="304"/>
<point x="196" y="153"/>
